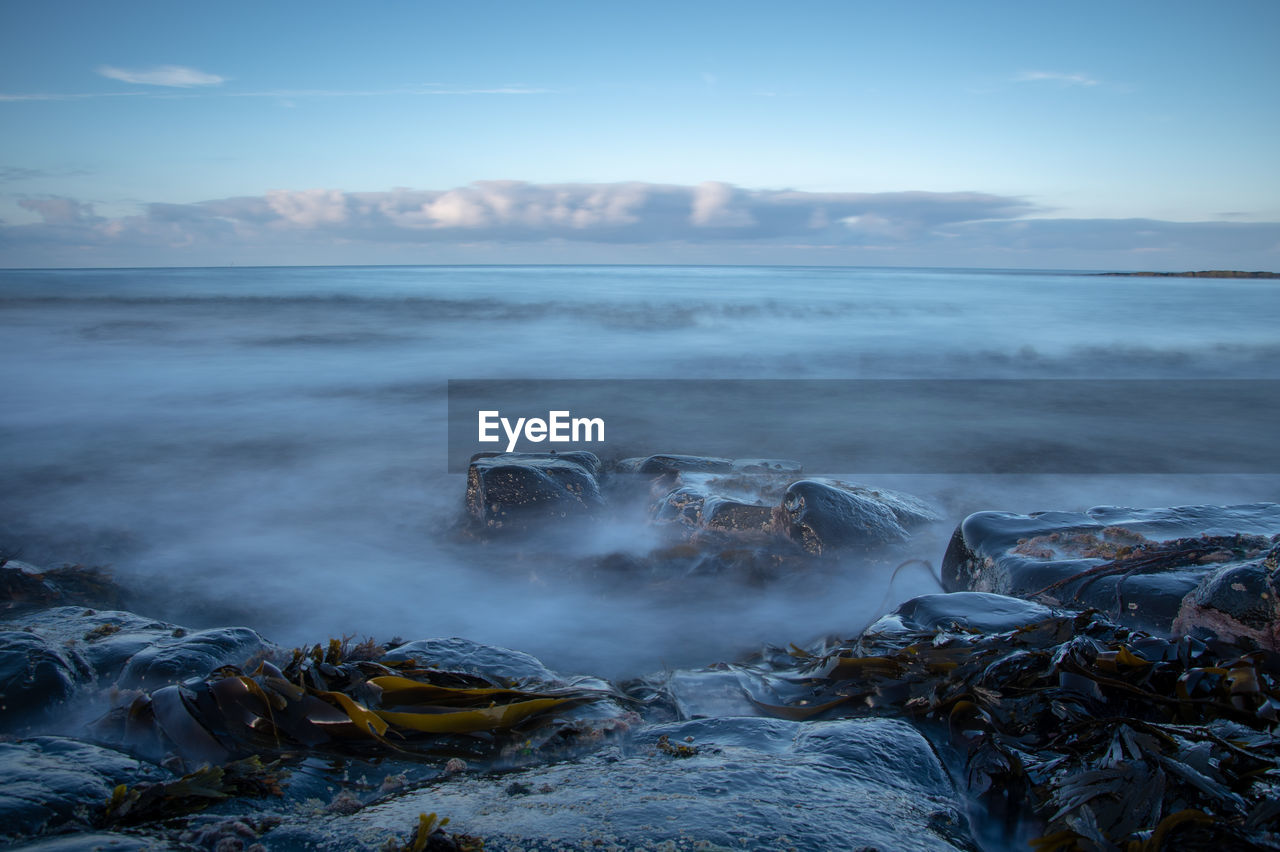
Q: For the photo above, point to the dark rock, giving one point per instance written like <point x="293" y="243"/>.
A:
<point x="695" y="507"/>
<point x="736" y="783"/>
<point x="522" y="490"/>
<point x="47" y="783"/>
<point x="25" y="586"/>
<point x="821" y="517"/>
<point x="683" y="505"/>
<point x="721" y="513"/>
<point x="1136" y="565"/>
<point x="1238" y="601"/>
<point x="35" y="676"/>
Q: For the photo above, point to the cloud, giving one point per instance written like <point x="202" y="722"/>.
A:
<point x="1064" y="79"/>
<point x="514" y="221"/>
<point x="178" y="76"/>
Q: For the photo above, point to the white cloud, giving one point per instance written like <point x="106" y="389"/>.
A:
<point x="713" y="206"/>
<point x="1059" y="77"/>
<point x="309" y="207"/>
<point x="178" y="76"/>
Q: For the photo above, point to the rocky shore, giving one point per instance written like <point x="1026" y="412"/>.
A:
<point x="1106" y="679"/>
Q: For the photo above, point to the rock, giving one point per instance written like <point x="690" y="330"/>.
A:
<point x="728" y="783"/>
<point x="1238" y="601"/>
<point x="977" y="611"/>
<point x="821" y="517"/>
<point x="131" y="651"/>
<point x="35" y="676"/>
<point x="695" y="507"/>
<point x="519" y="491"/>
<point x="777" y="466"/>
<point x="662" y="464"/>
<point x="499" y="665"/>
<point x="24" y="586"/>
<point x="50" y="783"/>
<point x="722" y="513"/>
<point x="1136" y="565"/>
<point x="176" y="658"/>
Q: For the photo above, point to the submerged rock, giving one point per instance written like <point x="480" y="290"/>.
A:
<point x="821" y="516"/>
<point x="1137" y="565"/>
<point x="519" y="491"/>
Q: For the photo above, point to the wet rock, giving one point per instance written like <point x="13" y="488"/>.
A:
<point x="518" y="491"/>
<point x="970" y="611"/>
<point x="1238" y="601"/>
<point x="820" y="516"/>
<point x="131" y="651"/>
<point x="49" y="783"/>
<point x="175" y="658"/>
<point x="500" y="665"/>
<point x="683" y="505"/>
<point x="739" y="783"/>
<point x="697" y="508"/>
<point x="722" y="513"/>
<point x="1136" y="565"/>
<point x="35" y="676"/>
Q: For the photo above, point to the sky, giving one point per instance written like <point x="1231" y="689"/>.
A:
<point x="1091" y="135"/>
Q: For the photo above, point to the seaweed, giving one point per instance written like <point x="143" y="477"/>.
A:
<point x="1109" y="738"/>
<point x="429" y="836"/>
<point x="193" y="792"/>
<point x="324" y="698"/>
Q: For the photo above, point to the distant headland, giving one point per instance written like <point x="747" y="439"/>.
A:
<point x="1205" y="273"/>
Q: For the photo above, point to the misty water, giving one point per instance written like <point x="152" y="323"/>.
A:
<point x="267" y="446"/>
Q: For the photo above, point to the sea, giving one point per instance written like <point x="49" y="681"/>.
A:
<point x="268" y="446"/>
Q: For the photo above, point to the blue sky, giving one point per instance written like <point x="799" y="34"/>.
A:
<point x="1089" y="135"/>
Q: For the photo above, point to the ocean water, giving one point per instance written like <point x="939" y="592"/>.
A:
<point x="267" y="446"/>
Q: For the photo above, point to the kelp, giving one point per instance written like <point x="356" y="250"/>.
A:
<point x="193" y="792"/>
<point x="325" y="699"/>
<point x="429" y="836"/>
<point x="1111" y="738"/>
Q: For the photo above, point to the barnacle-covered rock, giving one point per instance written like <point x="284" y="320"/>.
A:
<point x="1240" y="600"/>
<point x="520" y="491"/>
